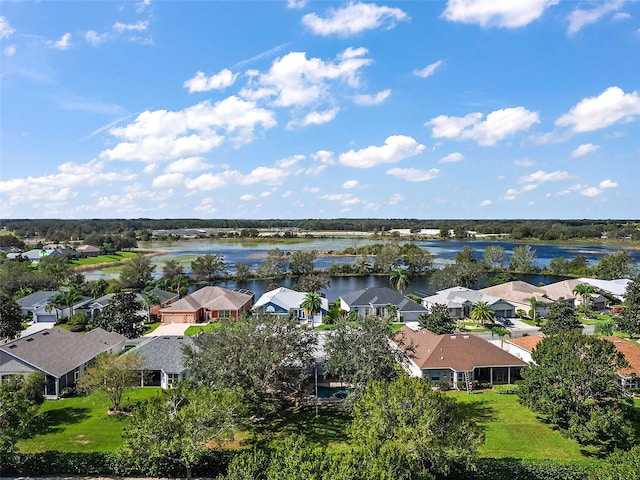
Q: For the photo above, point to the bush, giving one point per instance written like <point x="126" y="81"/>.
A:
<point x="67" y="392"/>
<point x="505" y="389"/>
<point x="443" y="385"/>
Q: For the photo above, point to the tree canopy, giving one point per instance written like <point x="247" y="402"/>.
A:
<point x="560" y="318"/>
<point x="438" y="320"/>
<point x="209" y="266"/>
<point x="20" y="399"/>
<point x="629" y="321"/>
<point x="123" y="315"/>
<point x="10" y="318"/>
<point x="137" y="272"/>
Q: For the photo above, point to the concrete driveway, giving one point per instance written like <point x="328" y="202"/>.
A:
<point x="169" y="329"/>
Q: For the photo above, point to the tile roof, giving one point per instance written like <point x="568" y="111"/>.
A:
<point x="459" y="352"/>
<point x="211" y="298"/>
<point x="58" y="351"/>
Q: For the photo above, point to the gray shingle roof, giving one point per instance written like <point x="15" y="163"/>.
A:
<point x="163" y="353"/>
<point x="382" y="296"/>
<point x="57" y="351"/>
<point x="36" y="298"/>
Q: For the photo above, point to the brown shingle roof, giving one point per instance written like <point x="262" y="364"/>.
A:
<point x="459" y="352"/>
<point x="527" y="343"/>
<point x="211" y="298"/>
<point x="631" y="351"/>
<point x="58" y="351"/>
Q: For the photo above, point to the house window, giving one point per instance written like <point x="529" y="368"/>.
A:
<point x="224" y="314"/>
<point x="172" y="378"/>
<point x="76" y="374"/>
<point x="435" y="376"/>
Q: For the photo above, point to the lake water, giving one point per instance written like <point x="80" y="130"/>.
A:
<point x="444" y="252"/>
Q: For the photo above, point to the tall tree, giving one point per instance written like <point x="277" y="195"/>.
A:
<point x="573" y="383"/>
<point x="522" y="259"/>
<point x="438" y="320"/>
<point x="585" y="291"/>
<point x="360" y="353"/>
<point x="424" y="425"/>
<point x="629" y="321"/>
<point x="20" y="399"/>
<point x="614" y="266"/>
<point x="482" y="313"/>
<point x="265" y="357"/>
<point x="501" y="331"/>
<point x="122" y="315"/>
<point x="209" y="266"/>
<point x="388" y="258"/>
<point x="301" y="262"/>
<point x="311" y="305"/>
<point x="71" y="297"/>
<point x="560" y="318"/>
<point x="416" y="259"/>
<point x="399" y="279"/>
<point x="171" y="269"/>
<point x="180" y="424"/>
<point x="10" y="318"/>
<point x="111" y="375"/>
<point x="137" y="272"/>
<point x="494" y="257"/>
<point x="275" y="264"/>
<point x="535" y="304"/>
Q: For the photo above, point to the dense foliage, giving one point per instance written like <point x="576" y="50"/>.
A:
<point x="123" y="315"/>
<point x="20" y="398"/>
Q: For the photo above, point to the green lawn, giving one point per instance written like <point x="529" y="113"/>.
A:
<point x="196" y="329"/>
<point x="150" y="327"/>
<point x="116" y="257"/>
<point x="81" y="424"/>
<point x="512" y="430"/>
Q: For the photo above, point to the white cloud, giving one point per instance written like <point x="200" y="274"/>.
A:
<point x="368" y="100"/>
<point x="294" y="80"/>
<point x="580" y="18"/>
<point x="541" y="176"/>
<point x="142" y="5"/>
<point x="187" y="165"/>
<point x="452" y="158"/>
<point x="414" y="174"/>
<point x="5" y="29"/>
<point x="497" y="125"/>
<point x="346" y="199"/>
<point x="315" y="118"/>
<point x="94" y="38"/>
<point x="428" y="70"/>
<point x="496" y="13"/>
<point x="590" y="192"/>
<point x="9" y="51"/>
<point x="593" y="113"/>
<point x="131" y="27"/>
<point x="622" y="16"/>
<point x="324" y="156"/>
<point x="296" y="4"/>
<point x="584" y="149"/>
<point x="161" y="135"/>
<point x="168" y="180"/>
<point x="211" y="181"/>
<point x="63" y="44"/>
<point x="485" y="203"/>
<point x="350" y="184"/>
<point x="396" y="198"/>
<point x="395" y="149"/>
<point x="201" y="83"/>
<point x="247" y="197"/>
<point x="525" y="162"/>
<point x="266" y="176"/>
<point x="512" y="192"/>
<point x="608" y="184"/>
<point x="353" y="19"/>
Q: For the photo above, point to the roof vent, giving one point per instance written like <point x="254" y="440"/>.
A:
<point x="45" y="333"/>
<point x="466" y="337"/>
<point x="29" y="339"/>
<point x="13" y="346"/>
<point x="453" y="337"/>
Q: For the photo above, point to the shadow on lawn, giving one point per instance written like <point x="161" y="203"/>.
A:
<point x="329" y="427"/>
<point x="55" y="420"/>
<point x="479" y="410"/>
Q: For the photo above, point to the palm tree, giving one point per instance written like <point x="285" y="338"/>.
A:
<point x="501" y="332"/>
<point x="399" y="279"/>
<point x="482" y="313"/>
<point x="311" y="305"/>
<point x="585" y="291"/>
<point x="71" y="296"/>
<point x="535" y="303"/>
<point x="54" y="303"/>
<point x="149" y="300"/>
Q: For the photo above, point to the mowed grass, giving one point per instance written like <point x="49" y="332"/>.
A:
<point x="101" y="259"/>
<point x="512" y="430"/>
<point x="194" y="330"/>
<point x="82" y="424"/>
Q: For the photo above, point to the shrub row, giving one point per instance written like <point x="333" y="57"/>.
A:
<point x="505" y="389"/>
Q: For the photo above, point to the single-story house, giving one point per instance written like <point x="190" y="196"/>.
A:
<point x="35" y="255"/>
<point x="37" y="306"/>
<point x="617" y="288"/>
<point x="376" y="301"/>
<point x="460" y="301"/>
<point x="629" y="376"/>
<point x="208" y="303"/>
<point x="284" y="301"/>
<point x="62" y="356"/>
<point x="165" y="298"/>
<point x="565" y="290"/>
<point x="519" y="293"/>
<point x="163" y="360"/>
<point x="88" y="251"/>
<point x="453" y="358"/>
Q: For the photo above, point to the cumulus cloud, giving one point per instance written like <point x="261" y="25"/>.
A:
<point x="395" y="149"/>
<point x="10" y="50"/>
<point x="201" y="83"/>
<point x="513" y="192"/>
<point x="162" y="135"/>
<point x="496" y="13"/>
<point x="324" y="156"/>
<point x="579" y="18"/>
<point x="428" y="70"/>
<point x="94" y="38"/>
<point x="5" y="29"/>
<point x="396" y="198"/>
<point x="485" y="203"/>
<point x="541" y="176"/>
<point x="295" y="80"/>
<point x="168" y="180"/>
<point x="590" y="192"/>
<point x="452" y="158"/>
<point x="296" y="4"/>
<point x="368" y="100"/>
<point x="315" y="118"/>
<point x="584" y="149"/>
<point x="497" y="125"/>
<point x="211" y="181"/>
<point x="414" y="174"/>
<point x="608" y="184"/>
<point x="63" y="43"/>
<point x="187" y="165"/>
<point x="350" y="184"/>
<point x="353" y="18"/>
<point x="346" y="199"/>
<point x="140" y="26"/>
<point x="593" y="113"/>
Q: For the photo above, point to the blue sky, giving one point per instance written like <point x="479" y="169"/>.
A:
<point x="315" y="109"/>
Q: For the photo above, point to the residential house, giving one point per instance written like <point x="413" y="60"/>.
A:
<point x="165" y="298"/>
<point x="38" y="307"/>
<point x="88" y="251"/>
<point x="460" y="301"/>
<point x="629" y="376"/>
<point x="284" y="301"/>
<point x="208" y="303"/>
<point x="617" y="288"/>
<point x="453" y="358"/>
<point x="163" y="360"/>
<point x="519" y="294"/>
<point x="377" y="300"/>
<point x="60" y="355"/>
<point x="35" y="255"/>
<point x="565" y="289"/>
